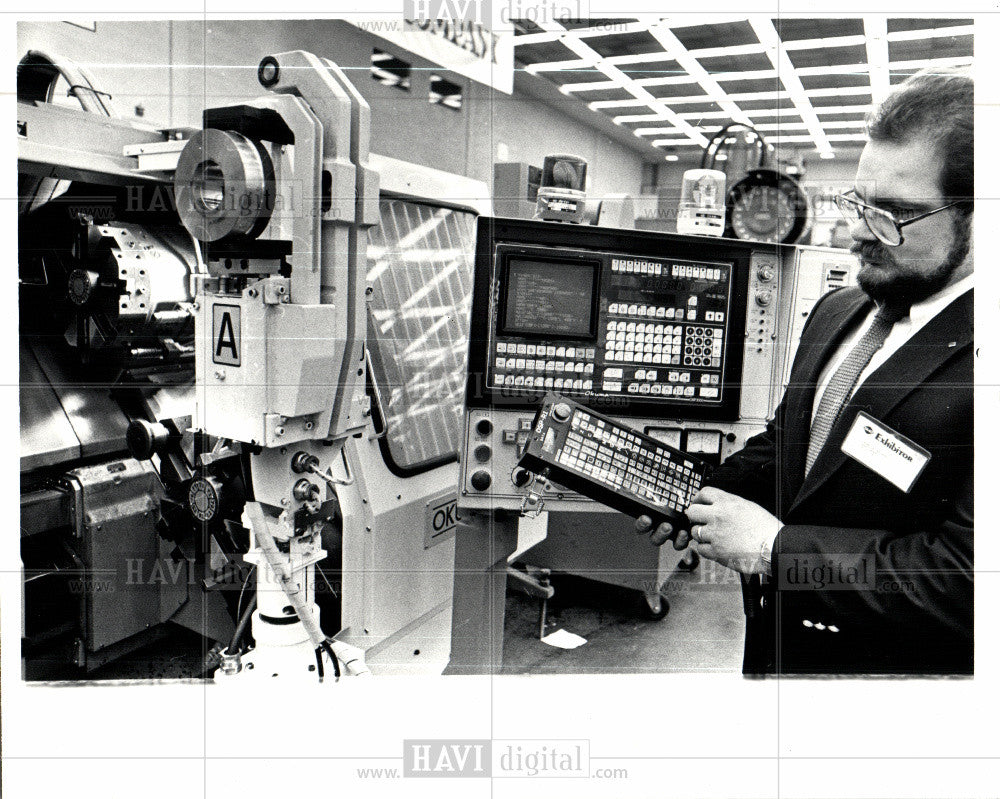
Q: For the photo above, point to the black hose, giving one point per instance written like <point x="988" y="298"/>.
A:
<point x="333" y="656"/>
<point x="319" y="661"/>
<point x="241" y="626"/>
<point x="719" y="139"/>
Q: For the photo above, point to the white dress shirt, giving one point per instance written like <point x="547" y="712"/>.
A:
<point x="920" y="314"/>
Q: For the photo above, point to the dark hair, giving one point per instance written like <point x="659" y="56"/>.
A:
<point x="939" y="105"/>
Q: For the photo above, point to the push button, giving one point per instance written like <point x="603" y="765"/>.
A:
<point x="561" y="412"/>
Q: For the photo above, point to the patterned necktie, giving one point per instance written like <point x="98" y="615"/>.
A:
<point x="842" y="384"/>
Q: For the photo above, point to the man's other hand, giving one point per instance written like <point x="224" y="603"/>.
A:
<point x="663" y="533"/>
<point x="731" y="530"/>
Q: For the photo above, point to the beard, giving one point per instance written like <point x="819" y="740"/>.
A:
<point x="887" y="281"/>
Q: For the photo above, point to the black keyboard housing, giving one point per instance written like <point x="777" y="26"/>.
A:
<point x="611" y="463"/>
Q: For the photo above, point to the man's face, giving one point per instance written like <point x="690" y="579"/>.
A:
<point x="903" y="179"/>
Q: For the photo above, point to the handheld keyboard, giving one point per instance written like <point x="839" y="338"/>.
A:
<point x="611" y="463"/>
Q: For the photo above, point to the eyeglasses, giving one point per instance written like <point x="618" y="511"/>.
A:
<point x="883" y="224"/>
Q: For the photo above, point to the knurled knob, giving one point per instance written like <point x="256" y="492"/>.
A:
<point x="521" y="477"/>
<point x="561" y="412"/>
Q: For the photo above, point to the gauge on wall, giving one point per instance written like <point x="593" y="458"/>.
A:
<point x="767" y="206"/>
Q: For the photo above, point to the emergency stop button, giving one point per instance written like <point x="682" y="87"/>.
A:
<point x="561" y="412"/>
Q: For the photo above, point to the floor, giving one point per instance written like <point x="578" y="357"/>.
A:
<point x="702" y="631"/>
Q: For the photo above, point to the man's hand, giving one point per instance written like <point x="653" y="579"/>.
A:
<point x="662" y="533"/>
<point x="731" y="530"/>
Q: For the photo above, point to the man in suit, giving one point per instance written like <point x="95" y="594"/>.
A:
<point x="850" y="516"/>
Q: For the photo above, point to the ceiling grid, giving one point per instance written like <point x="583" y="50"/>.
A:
<point x="673" y="81"/>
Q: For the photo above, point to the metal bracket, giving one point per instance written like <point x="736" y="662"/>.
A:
<point x="534" y="499"/>
<point x="75" y="504"/>
<point x="223" y="448"/>
<point x="275" y="291"/>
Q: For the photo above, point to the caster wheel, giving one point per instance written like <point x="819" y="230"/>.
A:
<point x="653" y="607"/>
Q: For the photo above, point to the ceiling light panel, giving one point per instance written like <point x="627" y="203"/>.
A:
<point x="791" y="29"/>
<point x="877" y="49"/>
<point x="903" y="25"/>
<point x="622" y="44"/>
<point x="834" y="80"/>
<point x="665" y="71"/>
<point x="827" y="56"/>
<point x="707" y="36"/>
<point x="736" y="64"/>
<point x="948" y="47"/>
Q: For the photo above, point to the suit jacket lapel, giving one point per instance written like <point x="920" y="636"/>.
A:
<point x="907" y="370"/>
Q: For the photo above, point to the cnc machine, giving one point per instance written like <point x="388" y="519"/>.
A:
<point x="232" y="411"/>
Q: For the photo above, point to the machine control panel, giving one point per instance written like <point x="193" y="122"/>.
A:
<point x="601" y="326"/>
<point x="612" y="463"/>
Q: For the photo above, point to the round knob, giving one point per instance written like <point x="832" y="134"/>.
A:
<point x="765" y="274"/>
<point x="561" y="412"/>
<point x="763" y="297"/>
<point x="482" y="453"/>
<point x="481" y="480"/>
<point x="484" y="427"/>
<point x="521" y="477"/>
<point x="205" y="498"/>
<point x="144" y="438"/>
<point x="80" y="285"/>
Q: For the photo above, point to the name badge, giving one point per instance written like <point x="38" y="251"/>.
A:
<point x="885" y="451"/>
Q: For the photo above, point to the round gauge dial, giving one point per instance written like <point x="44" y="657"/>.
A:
<point x="767" y="206"/>
<point x="204" y="498"/>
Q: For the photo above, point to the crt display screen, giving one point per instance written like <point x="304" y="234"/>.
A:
<point x="548" y="298"/>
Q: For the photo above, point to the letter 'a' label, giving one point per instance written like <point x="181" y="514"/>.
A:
<point x="226" y="334"/>
<point x="885" y="451"/>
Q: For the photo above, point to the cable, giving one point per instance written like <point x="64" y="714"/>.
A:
<point x="241" y="626"/>
<point x="239" y="603"/>
<point x="717" y="142"/>
<point x="319" y="662"/>
<point x="325" y="580"/>
<point x="333" y="657"/>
